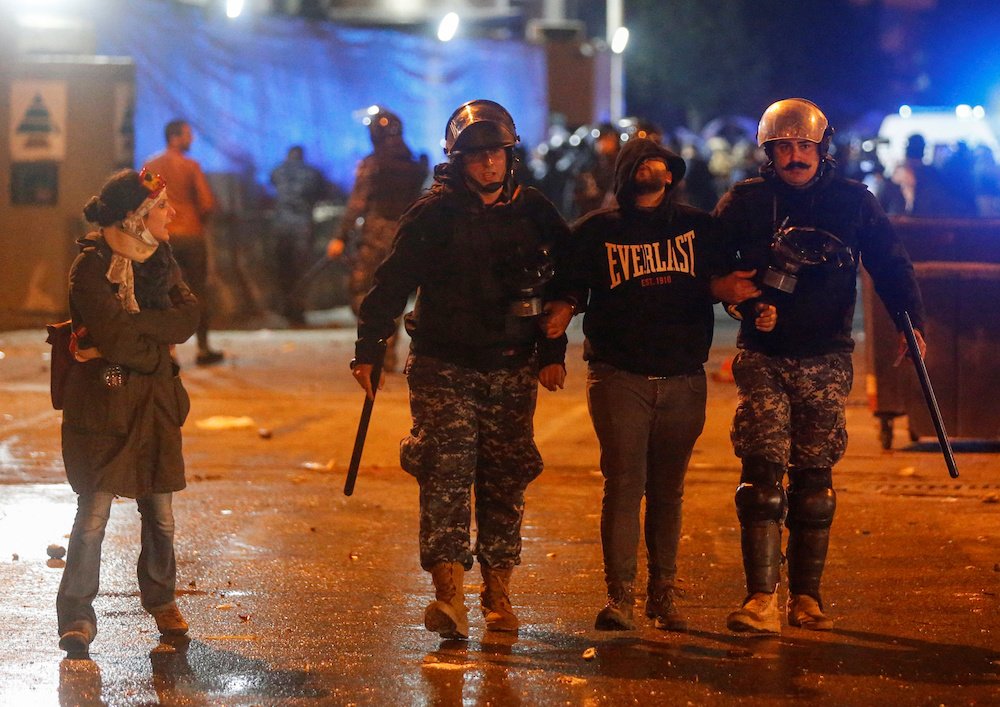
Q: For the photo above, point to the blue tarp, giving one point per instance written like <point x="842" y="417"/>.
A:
<point x="254" y="86"/>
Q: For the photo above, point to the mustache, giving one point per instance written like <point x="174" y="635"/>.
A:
<point x="797" y="165"/>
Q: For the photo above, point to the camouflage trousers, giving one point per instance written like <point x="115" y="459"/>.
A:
<point x="471" y="430"/>
<point x="791" y="410"/>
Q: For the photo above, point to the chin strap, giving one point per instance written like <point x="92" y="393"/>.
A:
<point x="489" y="188"/>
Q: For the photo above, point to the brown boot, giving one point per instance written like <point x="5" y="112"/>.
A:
<point x="805" y="612"/>
<point x="661" y="606"/>
<point x="617" y="614"/>
<point x="447" y="615"/>
<point x="495" y="599"/>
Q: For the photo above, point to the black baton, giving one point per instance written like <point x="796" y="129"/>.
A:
<point x="366" y="416"/>
<point x="932" y="405"/>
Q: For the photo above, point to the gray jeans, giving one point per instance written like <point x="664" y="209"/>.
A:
<point x="647" y="428"/>
<point x="156" y="568"/>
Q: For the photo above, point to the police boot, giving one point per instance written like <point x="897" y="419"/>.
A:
<point x="447" y="615"/>
<point x="495" y="599"/>
<point x="759" y="614"/>
<point x="760" y="505"/>
<point x="661" y="605"/>
<point x="811" y="506"/>
<point x="617" y="613"/>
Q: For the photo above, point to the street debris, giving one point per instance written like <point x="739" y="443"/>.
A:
<point x="56" y="552"/>
<point x="991" y="498"/>
<point x="224" y="422"/>
<point x="739" y="653"/>
<point x="317" y="466"/>
<point x="571" y="680"/>
<point x="590" y="653"/>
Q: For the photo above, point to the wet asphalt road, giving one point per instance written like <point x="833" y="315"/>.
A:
<point x="297" y="595"/>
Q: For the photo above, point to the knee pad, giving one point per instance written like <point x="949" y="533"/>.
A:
<point x="811" y="498"/>
<point x="758" y="470"/>
<point x="760" y="503"/>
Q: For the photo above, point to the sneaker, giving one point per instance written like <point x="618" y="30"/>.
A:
<point x="74" y="641"/>
<point x="759" y="614"/>
<point x="617" y="613"/>
<point x="805" y="612"/>
<point x="209" y="357"/>
<point x="169" y="620"/>
<point x="661" y="608"/>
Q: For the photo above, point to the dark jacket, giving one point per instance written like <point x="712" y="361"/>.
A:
<point x="647" y="274"/>
<point x="463" y="259"/>
<point x="126" y="440"/>
<point x="817" y="317"/>
<point x="386" y="182"/>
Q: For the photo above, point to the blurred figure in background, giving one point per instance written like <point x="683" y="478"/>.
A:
<point x="386" y="183"/>
<point x="193" y="202"/>
<point x="923" y="189"/>
<point x="298" y="186"/>
<point x="593" y="185"/>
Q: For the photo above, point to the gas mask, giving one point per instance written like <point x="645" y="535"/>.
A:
<point x="795" y="248"/>
<point x="524" y="278"/>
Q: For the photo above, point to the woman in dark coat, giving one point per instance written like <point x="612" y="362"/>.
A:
<point x="124" y="401"/>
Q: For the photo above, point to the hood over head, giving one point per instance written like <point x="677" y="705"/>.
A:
<point x="634" y="153"/>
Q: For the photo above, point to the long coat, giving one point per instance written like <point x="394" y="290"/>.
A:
<point x="125" y="440"/>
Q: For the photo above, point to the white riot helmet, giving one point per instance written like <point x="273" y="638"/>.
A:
<point x="794" y="119"/>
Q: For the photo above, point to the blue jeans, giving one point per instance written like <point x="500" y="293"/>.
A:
<point x="156" y="569"/>
<point x="647" y="428"/>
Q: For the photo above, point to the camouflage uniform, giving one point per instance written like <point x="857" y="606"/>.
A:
<point x="793" y="382"/>
<point x="472" y="366"/>
<point x="385" y="184"/>
<point x="470" y="428"/>
<point x="792" y="410"/>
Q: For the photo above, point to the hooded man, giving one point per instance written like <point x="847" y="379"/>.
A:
<point x="647" y="266"/>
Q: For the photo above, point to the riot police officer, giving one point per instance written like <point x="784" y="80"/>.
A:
<point x="386" y="182"/>
<point x="804" y="230"/>
<point x="480" y="251"/>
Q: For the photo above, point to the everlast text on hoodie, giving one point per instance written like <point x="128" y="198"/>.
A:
<point x="647" y="274"/>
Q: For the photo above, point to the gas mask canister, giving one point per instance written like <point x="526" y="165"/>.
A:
<point x="796" y="248"/>
<point x="525" y="279"/>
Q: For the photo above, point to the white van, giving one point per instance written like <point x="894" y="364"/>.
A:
<point x="940" y="127"/>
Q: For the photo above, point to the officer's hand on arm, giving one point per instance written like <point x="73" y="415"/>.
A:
<point x="767" y="317"/>
<point x="735" y="287"/>
<point x="552" y="376"/>
<point x="904" y="347"/>
<point x="558" y="314"/>
<point x="335" y="248"/>
<point x="362" y="373"/>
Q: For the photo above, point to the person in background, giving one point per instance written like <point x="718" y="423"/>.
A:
<point x="298" y="186"/>
<point x="386" y="183"/>
<point x="124" y="402"/>
<point x="193" y="203"/>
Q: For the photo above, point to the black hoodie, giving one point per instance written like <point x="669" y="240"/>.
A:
<point x="458" y="255"/>
<point x="647" y="274"/>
